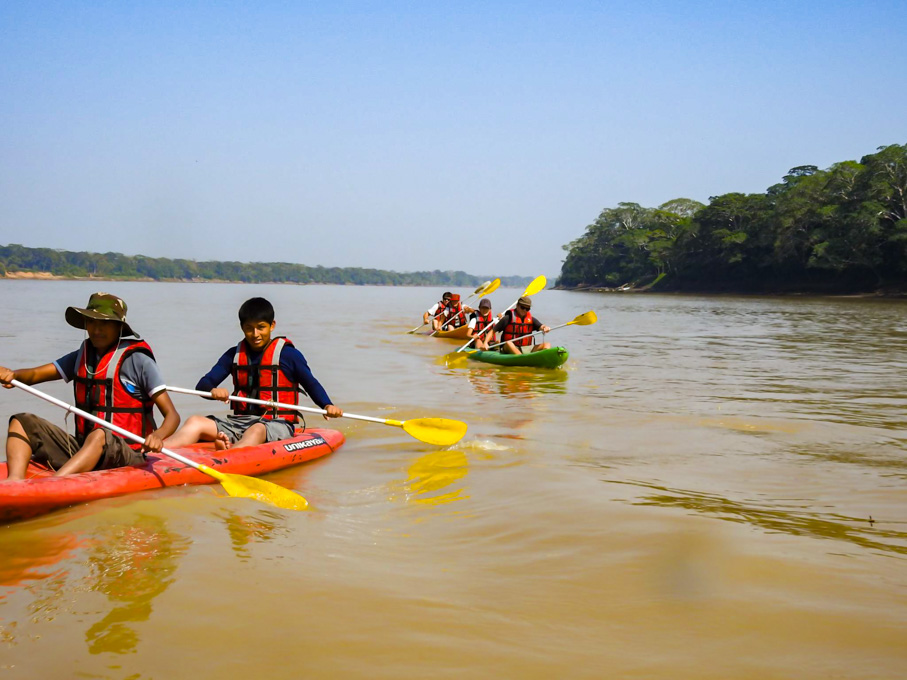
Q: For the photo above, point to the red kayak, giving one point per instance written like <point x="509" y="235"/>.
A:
<point x="42" y="492"/>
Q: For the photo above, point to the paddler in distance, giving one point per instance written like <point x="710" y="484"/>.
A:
<point x="452" y="316"/>
<point x="436" y="309"/>
<point x="515" y="324"/>
<point x="115" y="378"/>
<point x="479" y="320"/>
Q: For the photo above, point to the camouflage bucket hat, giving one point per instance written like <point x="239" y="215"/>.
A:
<point x="101" y="306"/>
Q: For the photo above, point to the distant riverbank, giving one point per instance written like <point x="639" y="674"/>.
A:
<point x="48" y="276"/>
<point x="33" y="275"/>
<point x="21" y="262"/>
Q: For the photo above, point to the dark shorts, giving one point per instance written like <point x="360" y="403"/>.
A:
<point x="53" y="446"/>
<point x="235" y="427"/>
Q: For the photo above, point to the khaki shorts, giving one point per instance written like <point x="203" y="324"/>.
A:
<point x="52" y="446"/>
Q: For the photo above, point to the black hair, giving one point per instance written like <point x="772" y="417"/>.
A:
<point x="446" y="295"/>
<point x="256" y="309"/>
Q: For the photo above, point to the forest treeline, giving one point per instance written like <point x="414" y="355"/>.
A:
<point x="843" y="229"/>
<point x="17" y="258"/>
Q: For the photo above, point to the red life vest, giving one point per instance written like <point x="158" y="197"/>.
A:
<point x="101" y="393"/>
<point x="453" y="319"/>
<point x="264" y="381"/>
<point x="482" y="322"/>
<point x="442" y="307"/>
<point x="516" y="328"/>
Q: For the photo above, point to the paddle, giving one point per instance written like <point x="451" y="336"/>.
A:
<point x="584" y="319"/>
<point x="538" y="283"/>
<point x="478" y="291"/>
<point x="438" y="431"/>
<point x="239" y="486"/>
<point x="493" y="286"/>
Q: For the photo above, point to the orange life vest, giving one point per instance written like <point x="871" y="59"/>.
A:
<point x="264" y="381"/>
<point x="101" y="393"/>
<point x="482" y="322"/>
<point x="442" y="306"/>
<point x="453" y="319"/>
<point x="516" y="328"/>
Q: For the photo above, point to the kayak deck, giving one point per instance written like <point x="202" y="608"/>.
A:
<point x="461" y="333"/>
<point x="42" y="492"/>
<point x="545" y="358"/>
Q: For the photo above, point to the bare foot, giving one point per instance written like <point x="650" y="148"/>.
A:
<point x="221" y="442"/>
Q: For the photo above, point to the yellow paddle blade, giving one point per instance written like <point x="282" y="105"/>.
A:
<point x="454" y="359"/>
<point x="491" y="287"/>
<point x="534" y="287"/>
<point x="438" y="431"/>
<point x="240" y="486"/>
<point x="436" y="472"/>
<point x="481" y="289"/>
<point x="585" y="319"/>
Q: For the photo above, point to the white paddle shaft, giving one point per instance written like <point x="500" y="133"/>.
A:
<point x="272" y="404"/>
<point x="100" y="421"/>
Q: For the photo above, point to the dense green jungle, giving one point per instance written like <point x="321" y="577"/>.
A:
<point x="838" y="230"/>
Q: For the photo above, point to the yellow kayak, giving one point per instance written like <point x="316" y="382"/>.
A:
<point x="461" y="333"/>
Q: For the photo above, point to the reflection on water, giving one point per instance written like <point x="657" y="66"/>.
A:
<point x="27" y="556"/>
<point x="515" y="382"/>
<point x="861" y="531"/>
<point x="132" y="565"/>
<point x="260" y="527"/>
<point x="432" y="473"/>
<point x="878" y="454"/>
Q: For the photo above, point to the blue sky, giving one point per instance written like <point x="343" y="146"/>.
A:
<point x="479" y="136"/>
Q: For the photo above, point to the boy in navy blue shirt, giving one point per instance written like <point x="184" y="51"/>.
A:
<point x="265" y="368"/>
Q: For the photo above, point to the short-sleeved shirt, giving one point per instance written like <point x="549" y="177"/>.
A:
<point x="473" y="318"/>
<point x="139" y="374"/>
<point x="434" y="309"/>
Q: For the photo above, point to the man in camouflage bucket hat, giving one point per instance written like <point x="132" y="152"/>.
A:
<point x="114" y="378"/>
<point x="101" y="306"/>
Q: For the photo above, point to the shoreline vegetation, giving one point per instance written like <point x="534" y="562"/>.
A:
<point x="839" y="231"/>
<point x="49" y="264"/>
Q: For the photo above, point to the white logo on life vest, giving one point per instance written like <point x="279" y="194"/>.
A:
<point x="308" y="443"/>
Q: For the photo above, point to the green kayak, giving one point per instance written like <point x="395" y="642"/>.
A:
<point x="545" y="358"/>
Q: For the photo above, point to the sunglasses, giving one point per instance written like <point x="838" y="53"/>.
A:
<point x="523" y="307"/>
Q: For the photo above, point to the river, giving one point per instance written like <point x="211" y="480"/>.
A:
<point x="711" y="487"/>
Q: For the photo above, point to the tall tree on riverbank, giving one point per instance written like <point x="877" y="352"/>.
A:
<point x="627" y="243"/>
<point x="843" y="228"/>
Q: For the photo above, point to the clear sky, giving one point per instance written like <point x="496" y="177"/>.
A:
<point x="479" y="136"/>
